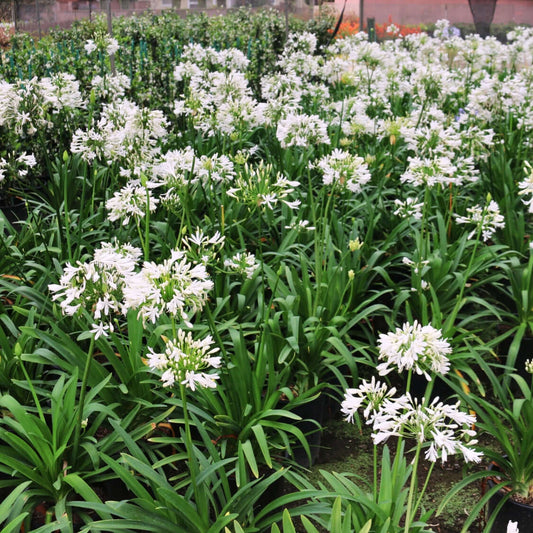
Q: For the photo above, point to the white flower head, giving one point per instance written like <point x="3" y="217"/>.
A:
<point x="185" y="361"/>
<point x="174" y="287"/>
<point x="370" y="395"/>
<point x="302" y="130"/>
<point x="242" y="263"/>
<point x="442" y="428"/>
<point x="97" y="286"/>
<point x="132" y="201"/>
<point x="409" y="208"/>
<point x="486" y="219"/>
<point x="345" y="170"/>
<point x="414" y="347"/>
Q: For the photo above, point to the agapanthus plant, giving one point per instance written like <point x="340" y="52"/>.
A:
<point x="442" y="429"/>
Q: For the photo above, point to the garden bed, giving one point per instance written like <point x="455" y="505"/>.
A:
<point x="224" y="223"/>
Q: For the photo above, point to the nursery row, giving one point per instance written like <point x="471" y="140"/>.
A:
<point x="209" y="240"/>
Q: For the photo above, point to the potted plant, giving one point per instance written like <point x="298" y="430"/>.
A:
<point x="518" y="339"/>
<point x="508" y="418"/>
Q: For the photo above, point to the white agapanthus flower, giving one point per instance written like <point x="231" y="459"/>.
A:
<point x="185" y="361"/>
<point x="526" y="187"/>
<point x="111" y="87"/>
<point x="302" y="130"/>
<point x="261" y="187"/>
<point x="61" y="92"/>
<point x="132" y="201"/>
<point x="242" y="263"/>
<point x="343" y="169"/>
<point x="203" y="248"/>
<point x="174" y="287"/>
<point x="487" y="219"/>
<point x="125" y="133"/>
<point x="97" y="285"/>
<point x="442" y="428"/>
<point x="429" y="171"/>
<point x="414" y="347"/>
<point x="409" y="208"/>
<point x="103" y="42"/>
<point x="9" y="103"/>
<point x="370" y="394"/>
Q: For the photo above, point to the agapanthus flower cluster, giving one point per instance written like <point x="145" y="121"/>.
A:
<point x="443" y="428"/>
<point x="102" y="42"/>
<point x="22" y="107"/>
<point x="344" y="170"/>
<point x="414" y="347"/>
<point x="443" y="30"/>
<point x="242" y="263"/>
<point x="261" y="187"/>
<point x="186" y="361"/>
<point x="61" y="92"/>
<point x="97" y="286"/>
<point x="370" y="395"/>
<point x="217" y="97"/>
<point x="302" y="130"/>
<point x="526" y="188"/>
<point x="175" y="287"/>
<point x="111" y="87"/>
<point x="178" y="168"/>
<point x="125" y="133"/>
<point x="430" y="172"/>
<point x="13" y="171"/>
<point x="9" y="103"/>
<point x="485" y="219"/>
<point x="132" y="201"/>
<point x="202" y="248"/>
<point x="409" y="208"/>
<point x="351" y="115"/>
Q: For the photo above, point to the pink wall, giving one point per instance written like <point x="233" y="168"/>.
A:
<point x="427" y="11"/>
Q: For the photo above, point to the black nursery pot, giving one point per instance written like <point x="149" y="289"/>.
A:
<point x="525" y="352"/>
<point x="311" y="413"/>
<point x="13" y="208"/>
<point x="511" y="510"/>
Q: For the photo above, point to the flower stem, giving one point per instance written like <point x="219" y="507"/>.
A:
<point x="199" y="495"/>
<point x="412" y="489"/>
<point x="375" y="488"/>
<point x="81" y="402"/>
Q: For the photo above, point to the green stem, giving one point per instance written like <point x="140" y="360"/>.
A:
<point x="146" y="245"/>
<point x="33" y="393"/>
<point x="64" y="173"/>
<point x="409" y="378"/>
<point x="81" y="402"/>
<point x="375" y="484"/>
<point x="199" y="496"/>
<point x="422" y="492"/>
<point x="319" y="248"/>
<point x="412" y="489"/>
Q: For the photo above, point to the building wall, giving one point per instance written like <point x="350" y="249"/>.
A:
<point x="426" y="11"/>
